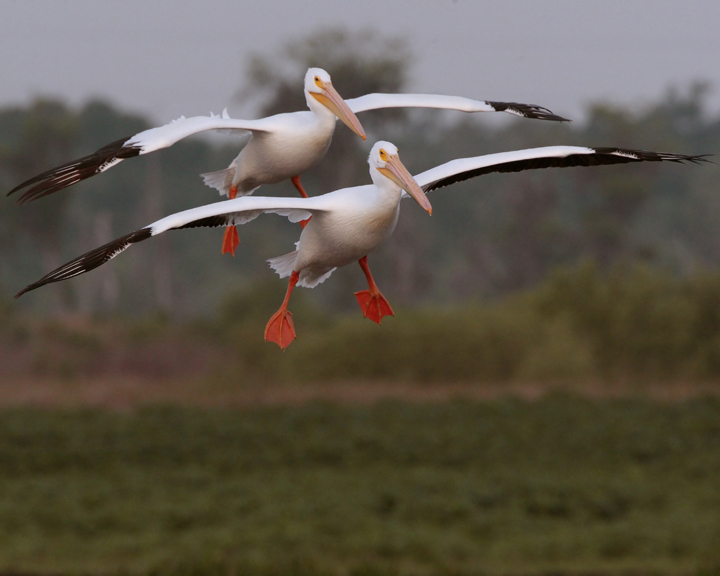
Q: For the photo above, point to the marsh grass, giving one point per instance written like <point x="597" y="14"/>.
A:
<point x="562" y="485"/>
<point x="630" y="323"/>
<point x="584" y="324"/>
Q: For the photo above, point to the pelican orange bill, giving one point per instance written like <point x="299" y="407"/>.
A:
<point x="330" y="98"/>
<point x="395" y="171"/>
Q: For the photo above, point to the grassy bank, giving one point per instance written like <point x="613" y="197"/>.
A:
<point x="559" y="485"/>
<point x="586" y="324"/>
<point x="581" y="325"/>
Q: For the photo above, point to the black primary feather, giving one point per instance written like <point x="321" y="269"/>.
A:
<point x="100" y="256"/>
<point x="90" y="260"/>
<point x="209" y="222"/>
<point x="527" y="111"/>
<point x="73" y="172"/>
<point x="602" y="156"/>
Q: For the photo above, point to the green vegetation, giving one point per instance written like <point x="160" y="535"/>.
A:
<point x="629" y="324"/>
<point x="488" y="292"/>
<point x="559" y="485"/>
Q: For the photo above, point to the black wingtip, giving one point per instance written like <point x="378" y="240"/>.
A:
<point x="75" y="171"/>
<point x="31" y="287"/>
<point x="700" y="158"/>
<point x="532" y="111"/>
<point x="553" y="118"/>
<point x="24" y="290"/>
<point x="90" y="260"/>
<point x="601" y="157"/>
<point x="616" y="154"/>
<point x="23" y="184"/>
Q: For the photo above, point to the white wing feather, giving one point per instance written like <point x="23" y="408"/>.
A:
<point x="377" y="101"/>
<point x="167" y="135"/>
<point x="539" y="158"/>
<point x="467" y="164"/>
<point x="245" y="209"/>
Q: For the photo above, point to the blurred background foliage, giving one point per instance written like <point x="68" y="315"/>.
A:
<point x="600" y="274"/>
<point x="630" y="325"/>
<point x="602" y="279"/>
<point x="487" y="237"/>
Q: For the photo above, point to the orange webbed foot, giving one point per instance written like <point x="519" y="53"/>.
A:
<point x="304" y="223"/>
<point x="231" y="240"/>
<point x="280" y="329"/>
<point x="373" y="305"/>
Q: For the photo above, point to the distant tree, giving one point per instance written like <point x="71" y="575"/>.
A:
<point x="487" y="236"/>
<point x="660" y="214"/>
<point x="44" y="136"/>
<point x="38" y="237"/>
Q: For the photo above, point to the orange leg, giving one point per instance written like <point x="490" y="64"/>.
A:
<point x="296" y="182"/>
<point x="372" y="302"/>
<point x="280" y="328"/>
<point x="231" y="240"/>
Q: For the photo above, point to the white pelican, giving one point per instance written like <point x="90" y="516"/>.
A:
<point x="348" y="224"/>
<point x="281" y="147"/>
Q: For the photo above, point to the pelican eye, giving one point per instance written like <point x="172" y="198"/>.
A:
<point x="318" y="82"/>
<point x="383" y="155"/>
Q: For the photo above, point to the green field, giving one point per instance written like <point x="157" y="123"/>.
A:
<point x="562" y="485"/>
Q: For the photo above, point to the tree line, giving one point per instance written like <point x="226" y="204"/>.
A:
<point x="487" y="237"/>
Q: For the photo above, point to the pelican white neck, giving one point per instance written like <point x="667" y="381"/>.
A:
<point x="315" y="78"/>
<point x="389" y="174"/>
<point x="326" y="103"/>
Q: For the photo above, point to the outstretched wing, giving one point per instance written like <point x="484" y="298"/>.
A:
<point x="142" y="143"/>
<point x="535" y="158"/>
<point x="230" y="212"/>
<point x="377" y="101"/>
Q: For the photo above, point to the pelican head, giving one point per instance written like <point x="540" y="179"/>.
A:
<point x="385" y="160"/>
<point x="319" y="86"/>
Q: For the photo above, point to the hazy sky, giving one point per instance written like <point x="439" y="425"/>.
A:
<point x="169" y="57"/>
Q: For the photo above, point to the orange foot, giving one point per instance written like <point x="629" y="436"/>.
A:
<point x="373" y="305"/>
<point x="280" y="329"/>
<point x="231" y="240"/>
<point x="304" y="223"/>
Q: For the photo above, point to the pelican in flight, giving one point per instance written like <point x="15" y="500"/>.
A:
<point x="281" y="146"/>
<point x="350" y="223"/>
